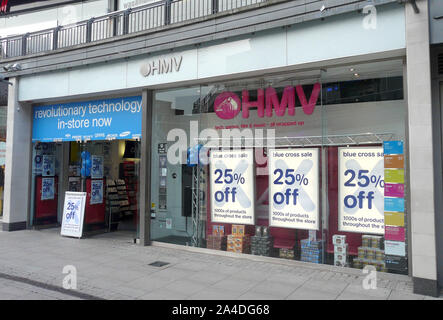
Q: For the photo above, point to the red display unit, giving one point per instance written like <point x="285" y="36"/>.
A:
<point x="45" y="211"/>
<point x="94" y="213"/>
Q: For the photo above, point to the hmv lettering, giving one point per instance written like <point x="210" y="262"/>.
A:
<point x="4" y="6"/>
<point x="228" y="105"/>
<point x="161" y="66"/>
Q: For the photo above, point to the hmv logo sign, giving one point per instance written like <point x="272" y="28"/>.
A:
<point x="228" y="105"/>
<point x="4" y="6"/>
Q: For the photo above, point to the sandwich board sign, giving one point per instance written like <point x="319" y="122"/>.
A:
<point x="73" y="214"/>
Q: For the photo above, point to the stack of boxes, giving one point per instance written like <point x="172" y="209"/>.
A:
<point x="238" y="241"/>
<point x="311" y="250"/>
<point x="340" y="250"/>
<point x="262" y="242"/>
<point x="371" y="253"/>
<point x="217" y="240"/>
<point x="287" y="253"/>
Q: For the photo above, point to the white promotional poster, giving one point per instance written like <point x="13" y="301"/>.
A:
<point x="48" y="189"/>
<point x="48" y="166"/>
<point x="96" y="192"/>
<point x="361" y="190"/>
<point x="293" y="188"/>
<point x="232" y="187"/>
<point x="97" y="167"/>
<point x="73" y="214"/>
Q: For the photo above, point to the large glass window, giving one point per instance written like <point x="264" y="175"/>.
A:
<point x="304" y="165"/>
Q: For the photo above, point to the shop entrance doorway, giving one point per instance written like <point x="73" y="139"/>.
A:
<point x="108" y="171"/>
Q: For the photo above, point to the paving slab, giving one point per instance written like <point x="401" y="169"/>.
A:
<point x="236" y="285"/>
<point x="379" y="293"/>
<point x="165" y="294"/>
<point x="402" y="295"/>
<point x="212" y="293"/>
<point x="331" y="286"/>
<point x="356" y="296"/>
<point x="278" y="290"/>
<point x="311" y="294"/>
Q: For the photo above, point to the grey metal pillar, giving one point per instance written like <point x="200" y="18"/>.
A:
<point x="145" y="169"/>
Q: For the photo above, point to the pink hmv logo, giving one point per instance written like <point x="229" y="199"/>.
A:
<point x="228" y="105"/>
<point x="4" y="6"/>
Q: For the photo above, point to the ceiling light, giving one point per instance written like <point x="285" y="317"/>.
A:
<point x="16" y="67"/>
<point x="12" y="67"/>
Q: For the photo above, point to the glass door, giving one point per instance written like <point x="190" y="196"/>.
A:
<point x="46" y="176"/>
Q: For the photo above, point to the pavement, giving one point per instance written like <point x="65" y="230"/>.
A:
<point x="17" y="290"/>
<point x="111" y="266"/>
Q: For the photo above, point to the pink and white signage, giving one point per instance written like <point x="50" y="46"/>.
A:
<point x="228" y="105"/>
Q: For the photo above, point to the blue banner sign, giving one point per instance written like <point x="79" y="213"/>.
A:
<point x="106" y="119"/>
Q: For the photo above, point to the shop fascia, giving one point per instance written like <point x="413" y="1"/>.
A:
<point x="227" y="106"/>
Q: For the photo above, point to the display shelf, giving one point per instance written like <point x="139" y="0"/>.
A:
<point x="128" y="173"/>
<point x="112" y="204"/>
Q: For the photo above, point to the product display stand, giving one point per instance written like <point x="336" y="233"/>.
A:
<point x="131" y="180"/>
<point x="198" y="209"/>
<point x="286" y="248"/>
<point x="311" y="250"/>
<point x="112" y="204"/>
<point x="122" y="195"/>
<point x="262" y="243"/>
<point x="117" y="201"/>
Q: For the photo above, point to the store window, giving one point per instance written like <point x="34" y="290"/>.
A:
<point x="306" y="166"/>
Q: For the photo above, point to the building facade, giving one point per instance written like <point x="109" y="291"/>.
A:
<point x="292" y="129"/>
